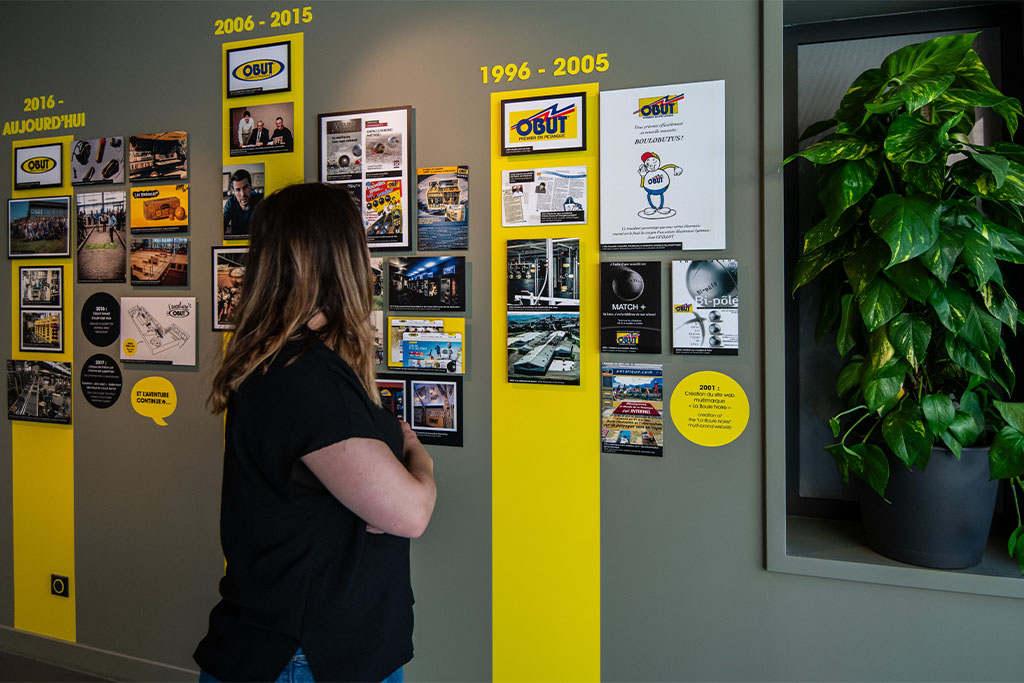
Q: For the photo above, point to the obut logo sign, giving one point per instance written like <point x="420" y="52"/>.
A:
<point x="258" y="70"/>
<point x="546" y="124"/>
<point x="38" y="165"/>
<point x="652" y="107"/>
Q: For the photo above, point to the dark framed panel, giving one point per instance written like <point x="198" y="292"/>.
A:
<point x="39" y="166"/>
<point x="544" y="124"/>
<point x="259" y="70"/>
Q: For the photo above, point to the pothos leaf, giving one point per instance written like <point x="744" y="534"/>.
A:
<point x="905" y="433"/>
<point x="1006" y="456"/>
<point x="938" y="412"/>
<point x="910" y="335"/>
<point x="909" y="225"/>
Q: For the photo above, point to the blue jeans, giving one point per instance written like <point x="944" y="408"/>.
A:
<point x="297" y="671"/>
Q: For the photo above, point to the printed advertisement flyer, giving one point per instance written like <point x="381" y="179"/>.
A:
<point x="159" y="208"/>
<point x="427" y="345"/>
<point x="544" y="196"/>
<point x="158" y="330"/>
<point x="632" y="404"/>
<point x="631" y="307"/>
<point x="663" y="167"/>
<point x="705" y="307"/>
<point x="442" y="203"/>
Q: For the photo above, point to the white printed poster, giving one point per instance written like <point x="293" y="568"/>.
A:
<point x="544" y="196"/>
<point x="663" y="167"/>
<point x="160" y="330"/>
<point x="705" y="307"/>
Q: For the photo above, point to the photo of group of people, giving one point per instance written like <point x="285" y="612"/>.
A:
<point x="261" y="129"/>
<point x="39" y="391"/>
<point x="38" y="227"/>
<point x="101" y="236"/>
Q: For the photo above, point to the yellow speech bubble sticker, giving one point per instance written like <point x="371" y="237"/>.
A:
<point x="709" y="408"/>
<point x="154" y="397"/>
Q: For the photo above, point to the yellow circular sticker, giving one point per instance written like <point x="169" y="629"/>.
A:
<point x="130" y="347"/>
<point x="709" y="408"/>
<point x="154" y="397"/>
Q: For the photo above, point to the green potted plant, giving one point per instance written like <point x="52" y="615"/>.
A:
<point x="917" y="221"/>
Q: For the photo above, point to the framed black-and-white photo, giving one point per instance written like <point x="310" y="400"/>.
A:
<point x="38" y="227"/>
<point x="539" y="125"/>
<point x="39" y="166"/>
<point x="228" y="271"/>
<point x="259" y="70"/>
<point x="39" y="391"/>
<point x="367" y="153"/>
<point x="41" y="330"/>
<point x="41" y="286"/>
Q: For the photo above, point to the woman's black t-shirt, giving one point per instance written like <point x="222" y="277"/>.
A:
<point x="302" y="571"/>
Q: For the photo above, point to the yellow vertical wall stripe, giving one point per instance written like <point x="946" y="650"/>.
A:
<point x="285" y="168"/>
<point x="43" y="466"/>
<point x="546" y="459"/>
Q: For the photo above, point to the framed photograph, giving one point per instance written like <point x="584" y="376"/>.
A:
<point x="435" y="410"/>
<point x="41" y="330"/>
<point x="539" y="125"/>
<point x="39" y="391"/>
<point x="436" y="283"/>
<point x="259" y="70"/>
<point x="242" y="188"/>
<point x="228" y="271"/>
<point x="39" y="166"/>
<point x="262" y="129"/>
<point x="160" y="262"/>
<point x="102" y="246"/>
<point x="367" y="153"/>
<point x="97" y="160"/>
<point x="38" y="227"/>
<point x="41" y="286"/>
<point x="392" y="395"/>
<point x="158" y="156"/>
<point x="159" y="208"/>
<point x="159" y="330"/>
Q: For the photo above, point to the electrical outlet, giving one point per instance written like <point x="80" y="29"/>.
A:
<point x="60" y="586"/>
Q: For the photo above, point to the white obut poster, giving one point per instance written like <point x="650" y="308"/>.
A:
<point x="663" y="167"/>
<point x="705" y="307"/>
<point x="159" y="330"/>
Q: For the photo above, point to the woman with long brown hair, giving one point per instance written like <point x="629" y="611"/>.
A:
<point x="322" y="487"/>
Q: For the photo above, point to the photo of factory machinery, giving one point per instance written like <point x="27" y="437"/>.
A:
<point x="161" y="262"/>
<point x="544" y="348"/>
<point x="434" y="283"/>
<point x="39" y="391"/>
<point x="433" y="406"/>
<point x="544" y="274"/>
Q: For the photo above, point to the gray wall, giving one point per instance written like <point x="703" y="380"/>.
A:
<point x="685" y="595"/>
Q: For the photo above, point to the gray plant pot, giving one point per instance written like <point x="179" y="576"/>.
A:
<point x="938" y="518"/>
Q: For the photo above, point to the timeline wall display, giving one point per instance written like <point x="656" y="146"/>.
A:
<point x="433" y="283"/>
<point x="259" y="70"/>
<point x="663" y="167"/>
<point x="631" y="307"/>
<point x="158" y="156"/>
<point x="39" y="166"/>
<point x="535" y="125"/>
<point x="705" y="307"/>
<point x="544" y="196"/>
<point x="38" y="227"/>
<point x="97" y="160"/>
<point x="39" y="391"/>
<point x="442" y="201"/>
<point x="367" y="152"/>
<point x="158" y="330"/>
<point x="632" y="409"/>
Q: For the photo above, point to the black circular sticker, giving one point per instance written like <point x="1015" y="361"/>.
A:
<point x="101" y="381"/>
<point x="101" y="319"/>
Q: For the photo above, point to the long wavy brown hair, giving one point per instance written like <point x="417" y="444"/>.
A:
<point x="308" y="255"/>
